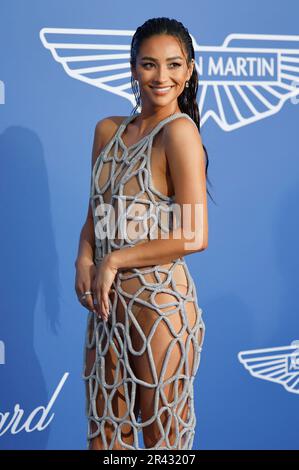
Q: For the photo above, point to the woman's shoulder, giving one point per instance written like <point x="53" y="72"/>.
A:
<point x="105" y="128"/>
<point x="109" y="123"/>
<point x="181" y="134"/>
<point x="182" y="127"/>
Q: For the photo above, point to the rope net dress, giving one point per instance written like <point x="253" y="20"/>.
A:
<point x="139" y="366"/>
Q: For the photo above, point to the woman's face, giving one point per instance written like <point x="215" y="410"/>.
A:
<point x="161" y="63"/>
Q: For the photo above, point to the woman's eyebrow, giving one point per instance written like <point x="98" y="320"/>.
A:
<point x="156" y="60"/>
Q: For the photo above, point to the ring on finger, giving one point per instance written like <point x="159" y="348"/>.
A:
<point x="83" y="296"/>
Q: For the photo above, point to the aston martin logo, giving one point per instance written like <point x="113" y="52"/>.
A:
<point x="248" y="78"/>
<point x="280" y="365"/>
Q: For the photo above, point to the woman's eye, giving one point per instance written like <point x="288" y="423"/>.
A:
<point x="176" y="64"/>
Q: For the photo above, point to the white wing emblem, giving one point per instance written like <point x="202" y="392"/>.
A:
<point x="280" y="365"/>
<point x="99" y="57"/>
<point x="246" y="79"/>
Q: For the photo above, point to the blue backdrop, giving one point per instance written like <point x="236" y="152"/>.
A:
<point x="247" y="386"/>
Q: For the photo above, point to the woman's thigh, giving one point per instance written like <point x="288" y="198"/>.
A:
<point x="109" y="423"/>
<point x="170" y="334"/>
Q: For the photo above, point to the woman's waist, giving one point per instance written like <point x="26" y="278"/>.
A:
<point x="176" y="267"/>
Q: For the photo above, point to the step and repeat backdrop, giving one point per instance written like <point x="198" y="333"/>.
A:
<point x="58" y="77"/>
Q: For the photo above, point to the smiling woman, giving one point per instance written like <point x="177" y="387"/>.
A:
<point x="145" y="329"/>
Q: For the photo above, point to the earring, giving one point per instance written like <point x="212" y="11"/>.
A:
<point x="187" y="84"/>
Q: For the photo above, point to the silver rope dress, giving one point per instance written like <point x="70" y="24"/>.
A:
<point x="139" y="366"/>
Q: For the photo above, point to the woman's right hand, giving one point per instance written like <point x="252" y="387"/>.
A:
<point x="85" y="274"/>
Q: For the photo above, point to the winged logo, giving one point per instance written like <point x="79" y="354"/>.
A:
<point x="280" y="365"/>
<point x="247" y="78"/>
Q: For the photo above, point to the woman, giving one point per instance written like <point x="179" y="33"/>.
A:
<point x="145" y="329"/>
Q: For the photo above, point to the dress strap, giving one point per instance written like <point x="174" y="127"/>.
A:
<point x="125" y="122"/>
<point x="160" y="124"/>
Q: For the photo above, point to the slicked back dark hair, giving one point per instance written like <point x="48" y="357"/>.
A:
<point x="187" y="100"/>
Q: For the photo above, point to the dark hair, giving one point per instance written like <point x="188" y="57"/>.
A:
<point x="187" y="99"/>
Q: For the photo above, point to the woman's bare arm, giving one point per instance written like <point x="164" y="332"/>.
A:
<point x="186" y="159"/>
<point x="87" y="237"/>
<point x="86" y="243"/>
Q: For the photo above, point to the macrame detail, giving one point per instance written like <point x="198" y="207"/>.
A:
<point x="140" y="365"/>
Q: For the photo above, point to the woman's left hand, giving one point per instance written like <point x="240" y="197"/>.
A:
<point x="105" y="275"/>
